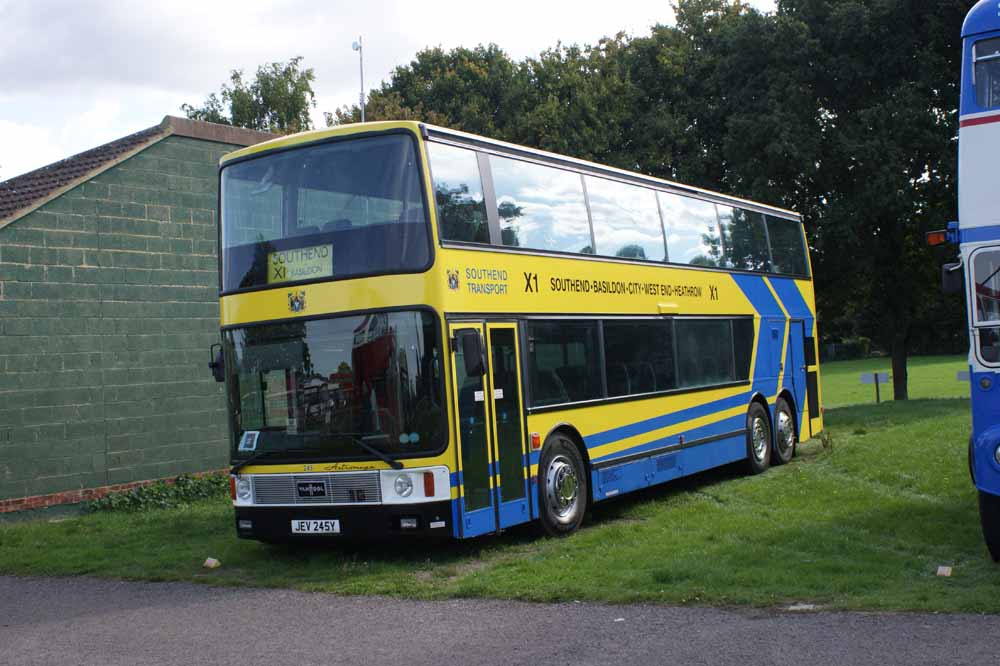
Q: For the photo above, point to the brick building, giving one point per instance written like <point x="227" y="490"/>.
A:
<point x="108" y="305"/>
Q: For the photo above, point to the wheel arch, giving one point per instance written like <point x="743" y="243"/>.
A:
<point x="574" y="436"/>
<point x="790" y="399"/>
<point x="761" y="400"/>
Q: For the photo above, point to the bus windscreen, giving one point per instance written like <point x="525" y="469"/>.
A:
<point x="324" y="211"/>
<point x="335" y="388"/>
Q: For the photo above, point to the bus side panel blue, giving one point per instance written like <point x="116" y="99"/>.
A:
<point x="620" y="479"/>
<point x="723" y="452"/>
<point x="795" y="374"/>
<point x="456" y="519"/>
<point x="986" y="431"/>
<point x="791" y="299"/>
<point x="756" y="291"/>
<point x="766" y="373"/>
<point x="514" y="513"/>
<point x="626" y="477"/>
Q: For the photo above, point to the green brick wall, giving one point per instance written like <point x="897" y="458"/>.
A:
<point x="108" y="305"/>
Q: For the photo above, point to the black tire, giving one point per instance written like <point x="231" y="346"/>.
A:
<point x="562" y="486"/>
<point x="784" y="433"/>
<point x="989" y="517"/>
<point x="758" y="439"/>
<point x="972" y="465"/>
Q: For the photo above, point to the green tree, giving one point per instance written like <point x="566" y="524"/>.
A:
<point x="843" y="110"/>
<point x="277" y="99"/>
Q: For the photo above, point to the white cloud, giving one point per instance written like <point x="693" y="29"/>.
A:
<point x="78" y="73"/>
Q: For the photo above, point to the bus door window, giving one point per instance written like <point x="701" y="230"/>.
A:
<point x="986" y="56"/>
<point x="507" y="412"/>
<point x="472" y="432"/>
<point x="986" y="272"/>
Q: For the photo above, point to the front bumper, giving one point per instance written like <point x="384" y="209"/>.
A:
<point x="272" y="524"/>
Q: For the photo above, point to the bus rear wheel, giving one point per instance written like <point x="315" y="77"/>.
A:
<point x="784" y="432"/>
<point x="989" y="517"/>
<point x="758" y="439"/>
<point x="562" y="486"/>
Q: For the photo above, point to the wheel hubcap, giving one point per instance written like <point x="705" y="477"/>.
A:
<point x="561" y="488"/>
<point x="786" y="433"/>
<point x="758" y="438"/>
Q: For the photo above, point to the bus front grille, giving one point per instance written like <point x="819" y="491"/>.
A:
<point x="339" y="488"/>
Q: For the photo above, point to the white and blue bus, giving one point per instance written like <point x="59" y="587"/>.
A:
<point x="978" y="234"/>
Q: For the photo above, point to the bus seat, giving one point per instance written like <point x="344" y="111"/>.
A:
<point x="643" y="377"/>
<point x="575" y="377"/>
<point x="306" y="231"/>
<point x="618" y="380"/>
<point x="548" y="388"/>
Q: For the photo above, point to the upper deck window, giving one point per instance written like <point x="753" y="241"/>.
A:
<point x="458" y="192"/>
<point x="326" y="211"/>
<point x="745" y="239"/>
<point x="626" y="220"/>
<point x="540" y="207"/>
<point x="986" y="56"/>
<point x="692" y="229"/>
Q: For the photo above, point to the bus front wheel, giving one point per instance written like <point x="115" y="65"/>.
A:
<point x="784" y="432"/>
<point x="562" y="486"/>
<point x="989" y="516"/>
<point x="758" y="439"/>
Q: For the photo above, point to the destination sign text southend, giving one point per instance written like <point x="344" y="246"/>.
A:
<point x="303" y="263"/>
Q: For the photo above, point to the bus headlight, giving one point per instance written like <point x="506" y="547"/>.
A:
<point x="243" y="488"/>
<point x="404" y="485"/>
<point x="996" y="454"/>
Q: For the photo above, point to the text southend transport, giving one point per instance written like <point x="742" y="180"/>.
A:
<point x="581" y="286"/>
<point x="486" y="280"/>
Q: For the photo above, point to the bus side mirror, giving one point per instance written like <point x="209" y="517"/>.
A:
<point x="952" y="278"/>
<point x="217" y="364"/>
<point x="472" y="354"/>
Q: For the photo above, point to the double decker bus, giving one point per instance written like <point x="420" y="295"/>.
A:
<point x="432" y="333"/>
<point x="977" y="232"/>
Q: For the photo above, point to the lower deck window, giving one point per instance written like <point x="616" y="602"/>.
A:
<point x="639" y="356"/>
<point x="564" y="362"/>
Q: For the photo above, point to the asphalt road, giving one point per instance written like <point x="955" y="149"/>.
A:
<point x="88" y="621"/>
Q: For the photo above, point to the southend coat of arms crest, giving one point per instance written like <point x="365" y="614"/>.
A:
<point x="296" y="301"/>
<point x="453" y="280"/>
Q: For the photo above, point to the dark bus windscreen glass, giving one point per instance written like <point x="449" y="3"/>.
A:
<point x="327" y="211"/>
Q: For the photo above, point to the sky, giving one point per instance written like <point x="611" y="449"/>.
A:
<point x="75" y="74"/>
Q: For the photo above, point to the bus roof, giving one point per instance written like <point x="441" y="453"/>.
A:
<point x="984" y="17"/>
<point x="444" y="133"/>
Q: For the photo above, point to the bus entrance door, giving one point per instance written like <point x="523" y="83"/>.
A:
<point x="490" y="439"/>
<point x="511" y="480"/>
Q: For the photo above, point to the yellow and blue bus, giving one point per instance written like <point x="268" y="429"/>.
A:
<point x="432" y="333"/>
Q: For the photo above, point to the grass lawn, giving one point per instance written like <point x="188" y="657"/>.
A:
<point x="861" y="524"/>
<point x="928" y="377"/>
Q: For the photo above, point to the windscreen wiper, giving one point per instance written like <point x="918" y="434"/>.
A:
<point x="384" y="457"/>
<point x="358" y="439"/>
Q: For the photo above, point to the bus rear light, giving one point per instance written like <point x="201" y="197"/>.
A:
<point x="428" y="484"/>
<point x="536" y="441"/>
<point x="232" y="487"/>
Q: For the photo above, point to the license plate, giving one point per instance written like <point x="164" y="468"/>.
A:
<point x="315" y="527"/>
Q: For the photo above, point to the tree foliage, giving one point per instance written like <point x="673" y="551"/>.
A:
<point x="844" y="110"/>
<point x="277" y="99"/>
